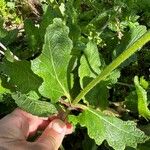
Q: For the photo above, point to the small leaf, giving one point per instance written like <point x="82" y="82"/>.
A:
<point x="116" y="132"/>
<point x="20" y="76"/>
<point x="113" y="77"/>
<point x="144" y="83"/>
<point x="142" y="99"/>
<point x="90" y="62"/>
<point x="53" y="63"/>
<point x="2" y="89"/>
<point x="31" y="104"/>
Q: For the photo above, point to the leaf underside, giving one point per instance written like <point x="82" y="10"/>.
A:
<point x="34" y="106"/>
<point x="116" y="132"/>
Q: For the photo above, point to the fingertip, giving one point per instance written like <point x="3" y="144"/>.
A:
<point x="53" y="134"/>
<point x="58" y="126"/>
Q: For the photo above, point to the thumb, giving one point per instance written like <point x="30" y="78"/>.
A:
<point x="53" y="135"/>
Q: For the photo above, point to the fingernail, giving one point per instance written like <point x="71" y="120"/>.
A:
<point x="58" y="125"/>
<point x="69" y="125"/>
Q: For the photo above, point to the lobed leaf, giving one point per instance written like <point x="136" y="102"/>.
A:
<point x="52" y="64"/>
<point x="142" y="99"/>
<point x="116" y="132"/>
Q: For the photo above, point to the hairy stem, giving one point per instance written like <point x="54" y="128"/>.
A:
<point x="120" y="59"/>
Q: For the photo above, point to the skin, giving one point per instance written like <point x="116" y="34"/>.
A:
<point x="16" y="127"/>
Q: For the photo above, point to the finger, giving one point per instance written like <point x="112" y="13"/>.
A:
<point x="31" y="123"/>
<point x="10" y="127"/>
<point x="53" y="135"/>
<point x="34" y="123"/>
<point x="68" y="125"/>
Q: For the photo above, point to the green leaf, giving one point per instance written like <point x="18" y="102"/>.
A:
<point x="53" y="63"/>
<point x="2" y="89"/>
<point x="32" y="35"/>
<point x="31" y="104"/>
<point x="129" y="38"/>
<point x="90" y="62"/>
<point x="100" y="21"/>
<point x="113" y="77"/>
<point x="142" y="99"/>
<point x="47" y="19"/>
<point x="88" y="143"/>
<point x="116" y="132"/>
<point x="1" y="98"/>
<point x="144" y="146"/>
<point x="98" y="96"/>
<point x="131" y="101"/>
<point x="7" y="37"/>
<point x="112" y="66"/>
<point x="21" y="78"/>
<point x="144" y="83"/>
<point x="71" y="13"/>
<point x="89" y="68"/>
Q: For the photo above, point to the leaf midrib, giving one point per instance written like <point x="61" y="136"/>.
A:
<point x="109" y="122"/>
<point x="55" y="73"/>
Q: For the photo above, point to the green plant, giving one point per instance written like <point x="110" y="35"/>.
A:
<point x="70" y="73"/>
<point x="8" y="12"/>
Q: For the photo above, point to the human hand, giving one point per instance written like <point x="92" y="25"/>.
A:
<point x="16" y="127"/>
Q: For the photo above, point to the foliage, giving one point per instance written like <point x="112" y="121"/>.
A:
<point x="52" y="64"/>
<point x="8" y="11"/>
<point x="115" y="131"/>
<point x="142" y="97"/>
<point x="78" y="60"/>
<point x="31" y="104"/>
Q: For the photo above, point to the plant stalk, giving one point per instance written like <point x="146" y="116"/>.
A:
<point x="120" y="59"/>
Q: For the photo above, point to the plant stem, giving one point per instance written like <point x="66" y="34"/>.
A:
<point x="125" y="84"/>
<point x="121" y="58"/>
